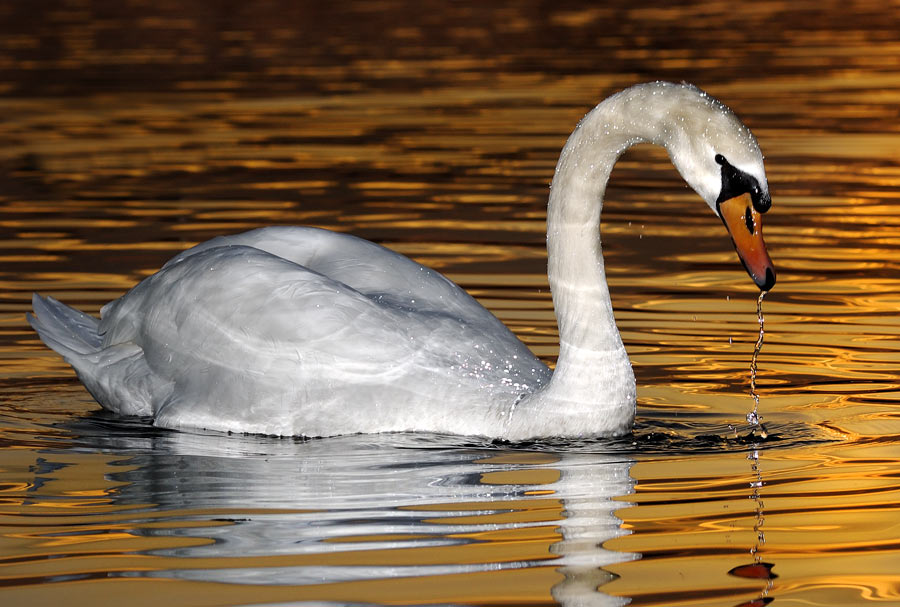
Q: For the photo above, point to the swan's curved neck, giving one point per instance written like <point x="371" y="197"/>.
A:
<point x="593" y="385"/>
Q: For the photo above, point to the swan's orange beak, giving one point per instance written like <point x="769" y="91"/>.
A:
<point x="744" y="224"/>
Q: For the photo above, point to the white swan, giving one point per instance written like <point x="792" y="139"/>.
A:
<point x="301" y="331"/>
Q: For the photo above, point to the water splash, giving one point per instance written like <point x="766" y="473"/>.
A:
<point x="753" y="418"/>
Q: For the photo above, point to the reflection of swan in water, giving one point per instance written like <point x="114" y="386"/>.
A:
<point x="587" y="487"/>
<point x="359" y="509"/>
<point x="296" y="331"/>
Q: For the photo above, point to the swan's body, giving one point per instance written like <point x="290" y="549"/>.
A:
<point x="300" y="331"/>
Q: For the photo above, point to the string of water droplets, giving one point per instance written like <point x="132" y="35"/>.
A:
<point x="757" y="569"/>
<point x="753" y="418"/>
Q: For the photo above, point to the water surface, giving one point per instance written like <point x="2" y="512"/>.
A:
<point x="128" y="136"/>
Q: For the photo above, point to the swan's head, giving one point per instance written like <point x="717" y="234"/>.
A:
<point x="720" y="159"/>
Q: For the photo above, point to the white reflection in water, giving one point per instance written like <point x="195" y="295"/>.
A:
<point x="312" y="500"/>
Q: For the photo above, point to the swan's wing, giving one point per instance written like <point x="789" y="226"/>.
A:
<point x="366" y="267"/>
<point x="254" y="342"/>
<point x="237" y="293"/>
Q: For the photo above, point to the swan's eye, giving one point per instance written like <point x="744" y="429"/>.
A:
<point x="736" y="182"/>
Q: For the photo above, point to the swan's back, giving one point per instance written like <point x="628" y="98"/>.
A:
<point x="369" y="268"/>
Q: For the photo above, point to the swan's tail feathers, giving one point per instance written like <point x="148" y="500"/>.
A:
<point x="117" y="376"/>
<point x="72" y="333"/>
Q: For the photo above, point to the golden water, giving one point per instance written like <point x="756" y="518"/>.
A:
<point x="128" y="133"/>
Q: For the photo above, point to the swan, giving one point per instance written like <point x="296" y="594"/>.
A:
<point x="299" y="331"/>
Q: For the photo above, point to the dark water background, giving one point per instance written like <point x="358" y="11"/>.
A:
<point x="132" y="130"/>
